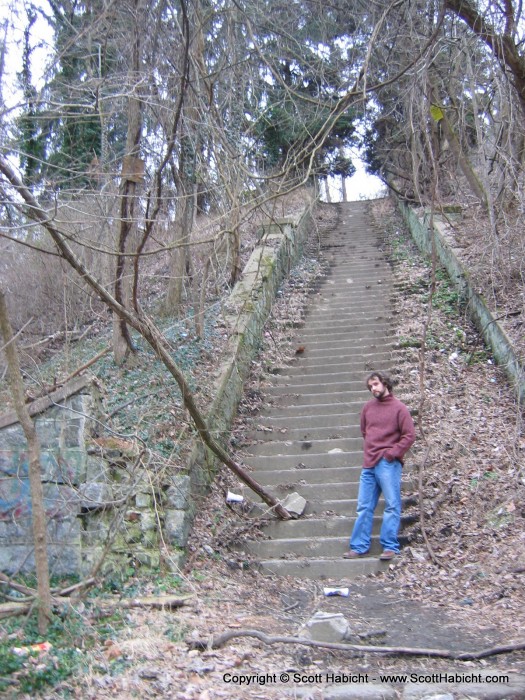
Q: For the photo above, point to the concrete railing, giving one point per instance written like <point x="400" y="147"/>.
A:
<point x="484" y="320"/>
<point x="280" y="246"/>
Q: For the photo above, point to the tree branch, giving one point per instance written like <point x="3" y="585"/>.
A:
<point x="222" y="639"/>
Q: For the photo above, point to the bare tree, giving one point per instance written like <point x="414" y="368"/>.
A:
<point x="35" y="479"/>
<point x="499" y="26"/>
<point x="132" y="178"/>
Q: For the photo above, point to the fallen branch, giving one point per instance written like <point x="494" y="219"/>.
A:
<point x="94" y="359"/>
<point x="221" y="640"/>
<point x="59" y="602"/>
<point x="158" y="602"/>
<point x="17" y="586"/>
<point x="75" y="587"/>
<point x="31" y="593"/>
<point x="13" y="608"/>
<point x="39" y="405"/>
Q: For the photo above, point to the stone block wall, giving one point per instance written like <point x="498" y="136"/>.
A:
<point x="65" y="466"/>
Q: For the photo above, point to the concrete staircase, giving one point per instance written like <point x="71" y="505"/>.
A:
<point x="309" y="439"/>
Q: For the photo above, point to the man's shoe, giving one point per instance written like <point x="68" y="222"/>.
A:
<point x="352" y="554"/>
<point x="387" y="555"/>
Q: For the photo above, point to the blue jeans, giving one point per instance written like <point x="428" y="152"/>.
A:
<point x="384" y="478"/>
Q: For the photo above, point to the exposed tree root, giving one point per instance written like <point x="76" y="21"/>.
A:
<point x="222" y="639"/>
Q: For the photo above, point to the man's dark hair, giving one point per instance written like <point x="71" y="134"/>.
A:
<point x="383" y="378"/>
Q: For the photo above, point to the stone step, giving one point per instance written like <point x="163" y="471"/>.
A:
<point x="324" y="359"/>
<point x="348" y="475"/>
<point x="359" y="290"/>
<point x="327" y="317"/>
<point x="341" y="331"/>
<point x="343" y="249"/>
<point x="337" y="459"/>
<point x="317" y="493"/>
<point x="348" y="506"/>
<point x="358" y="299"/>
<point x="350" y="351"/>
<point x="368" y="260"/>
<point x="315" y="547"/>
<point x="334" y="526"/>
<point x="320" y="498"/>
<point x="319" y="315"/>
<point x="299" y="379"/>
<point x="370" y="269"/>
<point x="299" y="447"/>
<point x="307" y="387"/>
<point x="369" y="279"/>
<point x="300" y="366"/>
<point x="277" y="423"/>
<point x="362" y="289"/>
<point x="349" y="308"/>
<point x="345" y="257"/>
<point x="303" y="432"/>
<point x="369" y="272"/>
<point x="322" y="493"/>
<point x="342" y="252"/>
<point x="349" y="357"/>
<point x="353" y="340"/>
<point x="327" y="526"/>
<point x="341" y="327"/>
<point x="338" y="570"/>
<point x="290" y="398"/>
<point x="309" y="410"/>
<point x="335" y="365"/>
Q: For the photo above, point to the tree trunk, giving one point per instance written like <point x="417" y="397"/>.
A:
<point x="186" y="175"/>
<point x="455" y="147"/>
<point x="131" y="178"/>
<point x="235" y="139"/>
<point x="35" y="482"/>
<point x="179" y="257"/>
<point x="327" y="190"/>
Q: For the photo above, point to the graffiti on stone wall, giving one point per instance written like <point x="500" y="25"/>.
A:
<point x="15" y="496"/>
<point x="15" y="493"/>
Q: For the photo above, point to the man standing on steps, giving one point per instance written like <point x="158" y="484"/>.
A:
<point x="388" y="431"/>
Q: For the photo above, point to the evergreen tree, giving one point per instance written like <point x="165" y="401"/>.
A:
<point x="309" y="69"/>
<point x="31" y="138"/>
<point x="72" y="128"/>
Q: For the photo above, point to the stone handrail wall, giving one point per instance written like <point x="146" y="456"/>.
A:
<point x="488" y="326"/>
<point x="96" y="490"/>
<point x="280" y="246"/>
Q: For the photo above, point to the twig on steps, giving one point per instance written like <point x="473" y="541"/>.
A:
<point x="222" y="639"/>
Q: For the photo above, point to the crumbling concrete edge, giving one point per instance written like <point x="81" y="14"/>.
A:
<point x="488" y="326"/>
<point x="280" y="246"/>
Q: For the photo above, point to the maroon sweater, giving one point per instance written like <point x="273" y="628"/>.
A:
<point x="387" y="428"/>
